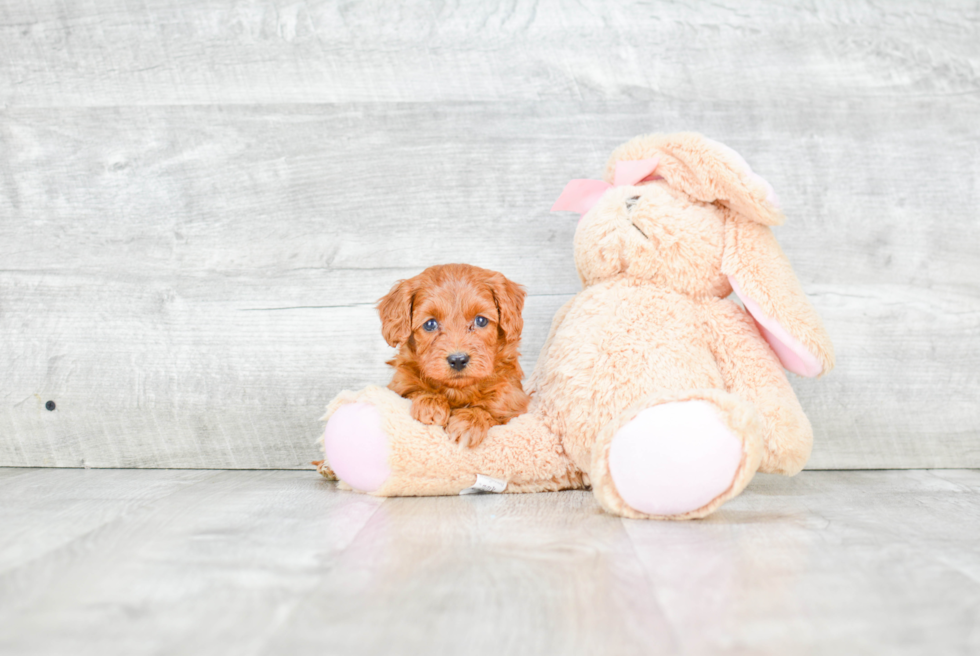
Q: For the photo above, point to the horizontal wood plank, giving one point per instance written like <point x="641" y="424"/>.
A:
<point x="116" y="52"/>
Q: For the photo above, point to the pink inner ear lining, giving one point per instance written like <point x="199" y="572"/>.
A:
<point x="790" y="351"/>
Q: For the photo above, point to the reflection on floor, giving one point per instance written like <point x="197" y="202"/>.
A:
<point x="281" y="562"/>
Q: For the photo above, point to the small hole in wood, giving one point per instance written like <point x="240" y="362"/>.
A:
<point x="50" y="405"/>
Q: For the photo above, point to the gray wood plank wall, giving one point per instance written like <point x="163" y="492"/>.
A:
<point x="201" y="201"/>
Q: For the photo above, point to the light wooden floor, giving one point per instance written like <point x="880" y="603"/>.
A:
<point x="280" y="562"/>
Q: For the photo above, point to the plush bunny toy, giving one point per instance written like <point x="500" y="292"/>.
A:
<point x="653" y="387"/>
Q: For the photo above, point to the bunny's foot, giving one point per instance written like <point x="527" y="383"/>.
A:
<point x="372" y="445"/>
<point x="356" y="447"/>
<point x="677" y="457"/>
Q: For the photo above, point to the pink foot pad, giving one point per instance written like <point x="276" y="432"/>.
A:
<point x="674" y="458"/>
<point x="356" y="446"/>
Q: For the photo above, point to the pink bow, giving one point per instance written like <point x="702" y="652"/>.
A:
<point x="580" y="195"/>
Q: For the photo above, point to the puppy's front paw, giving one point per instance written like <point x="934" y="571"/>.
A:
<point x="469" y="426"/>
<point x="430" y="409"/>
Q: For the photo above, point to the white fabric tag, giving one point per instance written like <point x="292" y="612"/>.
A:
<point x="486" y="484"/>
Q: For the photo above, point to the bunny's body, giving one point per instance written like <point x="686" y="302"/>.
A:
<point x="652" y="387"/>
<point x="624" y="340"/>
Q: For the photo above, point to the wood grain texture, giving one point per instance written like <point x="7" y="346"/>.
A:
<point x="73" y="504"/>
<point x="242" y="52"/>
<point x="200" y="202"/>
<point x="242" y="562"/>
<point x="209" y="567"/>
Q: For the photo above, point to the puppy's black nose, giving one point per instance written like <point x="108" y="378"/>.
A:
<point x="458" y="361"/>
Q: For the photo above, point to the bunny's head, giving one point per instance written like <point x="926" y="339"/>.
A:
<point x="689" y="215"/>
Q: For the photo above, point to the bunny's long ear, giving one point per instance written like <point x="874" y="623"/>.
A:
<point x="759" y="273"/>
<point x="705" y="170"/>
<point x="762" y="277"/>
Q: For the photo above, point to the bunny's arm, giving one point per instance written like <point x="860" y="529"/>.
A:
<point x="752" y="371"/>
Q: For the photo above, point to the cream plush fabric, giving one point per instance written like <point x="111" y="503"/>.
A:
<point x="652" y="326"/>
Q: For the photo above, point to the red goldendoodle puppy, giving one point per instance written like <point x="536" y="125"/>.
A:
<point x="457" y="329"/>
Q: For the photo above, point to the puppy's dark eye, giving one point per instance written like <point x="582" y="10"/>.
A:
<point x="631" y="201"/>
<point x="430" y="325"/>
<point x="481" y="322"/>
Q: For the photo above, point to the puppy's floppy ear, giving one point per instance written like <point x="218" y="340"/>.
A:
<point x="396" y="311"/>
<point x="509" y="297"/>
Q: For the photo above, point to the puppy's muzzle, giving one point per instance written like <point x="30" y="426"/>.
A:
<point x="458" y="361"/>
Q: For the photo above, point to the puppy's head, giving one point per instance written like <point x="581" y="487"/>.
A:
<point x="457" y="321"/>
